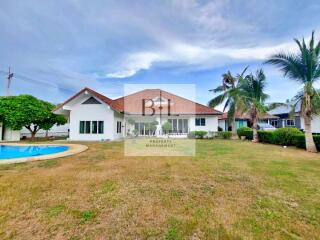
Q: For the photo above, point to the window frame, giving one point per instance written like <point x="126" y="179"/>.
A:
<point x="94" y="127"/>
<point x="119" y="126"/>
<point x="81" y="127"/>
<point x="290" y="120"/>
<point x="100" y="127"/>
<point x="201" y="121"/>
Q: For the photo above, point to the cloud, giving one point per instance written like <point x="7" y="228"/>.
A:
<point x="187" y="54"/>
<point x="71" y="44"/>
<point x="136" y="62"/>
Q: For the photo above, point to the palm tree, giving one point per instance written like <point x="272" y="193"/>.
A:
<point x="253" y="98"/>
<point x="303" y="68"/>
<point x="229" y="93"/>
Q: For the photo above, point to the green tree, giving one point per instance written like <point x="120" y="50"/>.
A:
<point x="29" y="112"/>
<point x="229" y="92"/>
<point x="166" y="127"/>
<point x="303" y="68"/>
<point x="253" y="98"/>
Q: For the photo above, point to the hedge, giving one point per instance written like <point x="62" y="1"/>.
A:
<point x="225" y="134"/>
<point x="300" y="141"/>
<point x="266" y="136"/>
<point x="197" y="134"/>
<point x="246" y="132"/>
<point x="285" y="136"/>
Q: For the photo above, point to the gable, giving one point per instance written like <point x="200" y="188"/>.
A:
<point x="91" y="100"/>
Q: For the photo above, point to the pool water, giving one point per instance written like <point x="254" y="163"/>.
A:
<point x="7" y="152"/>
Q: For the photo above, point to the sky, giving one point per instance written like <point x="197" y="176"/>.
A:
<point x="56" y="48"/>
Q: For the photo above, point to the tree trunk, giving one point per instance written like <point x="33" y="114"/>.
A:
<point x="234" y="128"/>
<point x="33" y="135"/>
<point x="255" y="129"/>
<point x="307" y="115"/>
<point x="310" y="146"/>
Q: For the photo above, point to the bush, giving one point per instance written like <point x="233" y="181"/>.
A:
<point x="245" y="131"/>
<point x="266" y="136"/>
<point x="225" y="134"/>
<point x="300" y="141"/>
<point x="285" y="136"/>
<point x="197" y="134"/>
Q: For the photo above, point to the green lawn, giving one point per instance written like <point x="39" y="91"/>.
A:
<point x="229" y="190"/>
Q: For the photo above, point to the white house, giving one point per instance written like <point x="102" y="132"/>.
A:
<point x="93" y="116"/>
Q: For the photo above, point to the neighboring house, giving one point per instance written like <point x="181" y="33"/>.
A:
<point x="243" y="120"/>
<point x="7" y="134"/>
<point x="289" y="118"/>
<point x="93" y="116"/>
<point x="55" y="131"/>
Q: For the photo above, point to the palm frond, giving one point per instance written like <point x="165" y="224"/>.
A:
<point x="289" y="64"/>
<point x="217" y="100"/>
<point x="218" y="89"/>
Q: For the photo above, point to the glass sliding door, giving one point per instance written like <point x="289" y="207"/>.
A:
<point x="185" y="126"/>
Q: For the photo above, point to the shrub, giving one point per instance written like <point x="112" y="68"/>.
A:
<point x="197" y="134"/>
<point x="244" y="131"/>
<point x="225" y="135"/>
<point x="266" y="136"/>
<point x="300" y="141"/>
<point x="285" y="136"/>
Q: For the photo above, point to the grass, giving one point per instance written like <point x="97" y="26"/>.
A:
<point x="229" y="190"/>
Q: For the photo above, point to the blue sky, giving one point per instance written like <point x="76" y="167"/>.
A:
<point x="58" y="47"/>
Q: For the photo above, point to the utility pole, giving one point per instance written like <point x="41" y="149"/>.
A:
<point x="10" y="76"/>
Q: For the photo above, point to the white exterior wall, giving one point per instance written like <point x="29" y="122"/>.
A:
<point x="55" y="131"/>
<point x="211" y="123"/>
<point x="315" y="123"/>
<point x="91" y="112"/>
<point x="11" y="135"/>
<point x="1" y="126"/>
<point x="222" y="124"/>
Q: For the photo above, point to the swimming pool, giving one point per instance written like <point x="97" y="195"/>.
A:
<point x="12" y="152"/>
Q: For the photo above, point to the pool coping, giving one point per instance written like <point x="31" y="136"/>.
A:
<point x="73" y="149"/>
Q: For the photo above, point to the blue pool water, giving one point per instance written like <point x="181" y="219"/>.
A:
<point x="28" y="151"/>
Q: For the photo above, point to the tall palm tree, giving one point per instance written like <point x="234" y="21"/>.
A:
<point x="229" y="93"/>
<point x="303" y="68"/>
<point x="253" y="98"/>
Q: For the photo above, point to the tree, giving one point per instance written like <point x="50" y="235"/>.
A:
<point x="29" y="112"/>
<point x="303" y="68"/>
<point x="253" y="98"/>
<point x="166" y="127"/>
<point x="229" y="93"/>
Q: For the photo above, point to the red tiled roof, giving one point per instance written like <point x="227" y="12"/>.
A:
<point x="132" y="103"/>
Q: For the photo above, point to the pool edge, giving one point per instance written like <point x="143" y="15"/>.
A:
<point x="73" y="149"/>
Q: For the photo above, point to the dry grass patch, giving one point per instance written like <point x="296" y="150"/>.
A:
<point x="229" y="190"/>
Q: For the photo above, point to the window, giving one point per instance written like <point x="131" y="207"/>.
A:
<point x="87" y="127"/>
<point x="91" y="100"/>
<point x="100" y="127"/>
<point x="274" y="123"/>
<point x="119" y="127"/>
<point x="81" y="127"/>
<point x="290" y="122"/>
<point x="94" y="127"/>
<point x="200" y="121"/>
